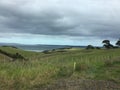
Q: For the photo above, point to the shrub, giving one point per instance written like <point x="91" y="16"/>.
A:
<point x="90" y="47"/>
<point x="98" y="48"/>
<point x="108" y="63"/>
<point x="65" y="72"/>
<point x="46" y="51"/>
<point x="81" y="67"/>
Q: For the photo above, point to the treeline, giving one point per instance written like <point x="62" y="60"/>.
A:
<point x="106" y="44"/>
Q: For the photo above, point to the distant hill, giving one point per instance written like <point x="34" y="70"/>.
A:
<point x="39" y="47"/>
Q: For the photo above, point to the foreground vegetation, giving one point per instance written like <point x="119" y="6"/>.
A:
<point x="41" y="69"/>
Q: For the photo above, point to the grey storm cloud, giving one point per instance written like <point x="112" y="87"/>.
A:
<point x="89" y="18"/>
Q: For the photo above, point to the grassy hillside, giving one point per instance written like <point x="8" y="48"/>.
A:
<point x="15" y="50"/>
<point x="42" y="69"/>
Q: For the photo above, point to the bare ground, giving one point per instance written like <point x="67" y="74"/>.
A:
<point x="81" y="85"/>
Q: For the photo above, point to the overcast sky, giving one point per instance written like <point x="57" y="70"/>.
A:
<point x="66" y="22"/>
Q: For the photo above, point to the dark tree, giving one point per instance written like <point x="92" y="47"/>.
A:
<point x="106" y="41"/>
<point x="90" y="47"/>
<point x="98" y="48"/>
<point x="118" y="43"/>
<point x="107" y="44"/>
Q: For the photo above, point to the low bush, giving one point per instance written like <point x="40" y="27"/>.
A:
<point x="65" y="72"/>
<point x="81" y="67"/>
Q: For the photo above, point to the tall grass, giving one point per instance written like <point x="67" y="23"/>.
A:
<point x="42" y="69"/>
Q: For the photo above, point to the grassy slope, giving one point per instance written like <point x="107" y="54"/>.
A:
<point x="27" y="54"/>
<point x="45" y="68"/>
<point x="4" y="58"/>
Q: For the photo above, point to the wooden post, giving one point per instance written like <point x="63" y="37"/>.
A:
<point x="74" y="66"/>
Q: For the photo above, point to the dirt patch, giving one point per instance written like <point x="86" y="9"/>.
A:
<point x="82" y="85"/>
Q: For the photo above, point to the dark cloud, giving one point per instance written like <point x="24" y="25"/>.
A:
<point x="61" y="19"/>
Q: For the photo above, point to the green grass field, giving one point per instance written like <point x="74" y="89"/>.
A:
<point x="41" y="69"/>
